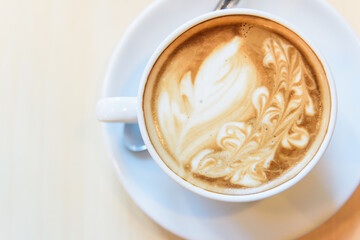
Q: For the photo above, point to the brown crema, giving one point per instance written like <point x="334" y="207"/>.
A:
<point x="237" y="104"/>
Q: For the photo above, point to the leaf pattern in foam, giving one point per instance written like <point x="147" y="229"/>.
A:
<point x="247" y="151"/>
<point x="224" y="72"/>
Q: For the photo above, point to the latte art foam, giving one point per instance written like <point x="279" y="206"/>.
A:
<point x="237" y="105"/>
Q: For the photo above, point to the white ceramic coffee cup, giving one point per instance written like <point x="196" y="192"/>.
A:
<point x="129" y="110"/>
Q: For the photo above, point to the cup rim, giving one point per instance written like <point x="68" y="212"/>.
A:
<point x="244" y="197"/>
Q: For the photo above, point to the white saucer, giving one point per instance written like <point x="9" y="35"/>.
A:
<point x="285" y="216"/>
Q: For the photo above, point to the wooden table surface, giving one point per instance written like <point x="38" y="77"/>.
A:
<point x="56" y="181"/>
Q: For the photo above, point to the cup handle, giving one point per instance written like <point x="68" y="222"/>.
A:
<point x="117" y="109"/>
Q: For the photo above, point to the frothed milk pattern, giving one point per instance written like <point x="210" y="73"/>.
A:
<point x="248" y="148"/>
<point x="226" y="124"/>
<point x="245" y="148"/>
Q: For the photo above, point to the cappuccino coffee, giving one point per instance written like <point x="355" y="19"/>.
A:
<point x="237" y="104"/>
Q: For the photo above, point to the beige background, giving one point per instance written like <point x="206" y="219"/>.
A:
<point x="56" y="181"/>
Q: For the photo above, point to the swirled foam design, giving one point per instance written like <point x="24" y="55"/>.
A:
<point x="237" y="106"/>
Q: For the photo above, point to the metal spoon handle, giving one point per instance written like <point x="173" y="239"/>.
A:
<point x="223" y="4"/>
